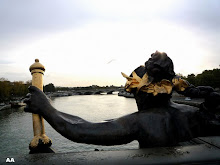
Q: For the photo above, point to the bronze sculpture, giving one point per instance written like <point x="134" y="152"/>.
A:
<point x="158" y="122"/>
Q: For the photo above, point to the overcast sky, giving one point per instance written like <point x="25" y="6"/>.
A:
<point x="87" y="42"/>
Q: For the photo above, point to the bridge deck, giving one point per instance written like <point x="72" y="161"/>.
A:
<point x="205" y="150"/>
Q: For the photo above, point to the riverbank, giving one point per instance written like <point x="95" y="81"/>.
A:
<point x="4" y="107"/>
<point x="177" y="98"/>
<point x="12" y="104"/>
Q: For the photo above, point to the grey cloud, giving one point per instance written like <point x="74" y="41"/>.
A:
<point x="26" y="20"/>
<point x="48" y="15"/>
<point x="5" y="62"/>
<point x="198" y="14"/>
<point x="11" y="76"/>
<point x="25" y="15"/>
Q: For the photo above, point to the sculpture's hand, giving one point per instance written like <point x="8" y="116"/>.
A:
<point x="36" y="101"/>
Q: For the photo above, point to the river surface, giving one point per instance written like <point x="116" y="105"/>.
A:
<point x="16" y="130"/>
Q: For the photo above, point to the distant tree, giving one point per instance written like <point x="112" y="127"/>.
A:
<point x="3" y="79"/>
<point x="191" y="78"/>
<point x="49" y="88"/>
<point x="206" y="78"/>
<point x="11" y="90"/>
<point x="29" y="82"/>
<point x="5" y="90"/>
<point x="64" y="88"/>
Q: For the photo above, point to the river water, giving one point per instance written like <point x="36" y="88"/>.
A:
<point x="16" y="130"/>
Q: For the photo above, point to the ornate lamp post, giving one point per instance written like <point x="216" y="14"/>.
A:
<point x="40" y="143"/>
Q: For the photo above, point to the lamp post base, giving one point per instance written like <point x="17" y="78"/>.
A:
<point x="41" y="148"/>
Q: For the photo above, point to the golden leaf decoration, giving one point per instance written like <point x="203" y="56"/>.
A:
<point x="146" y="85"/>
<point x="180" y="84"/>
<point x="135" y="81"/>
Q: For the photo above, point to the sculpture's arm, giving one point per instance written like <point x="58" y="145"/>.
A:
<point x="199" y="91"/>
<point x="185" y="88"/>
<point x="212" y="98"/>
<point x="119" y="131"/>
